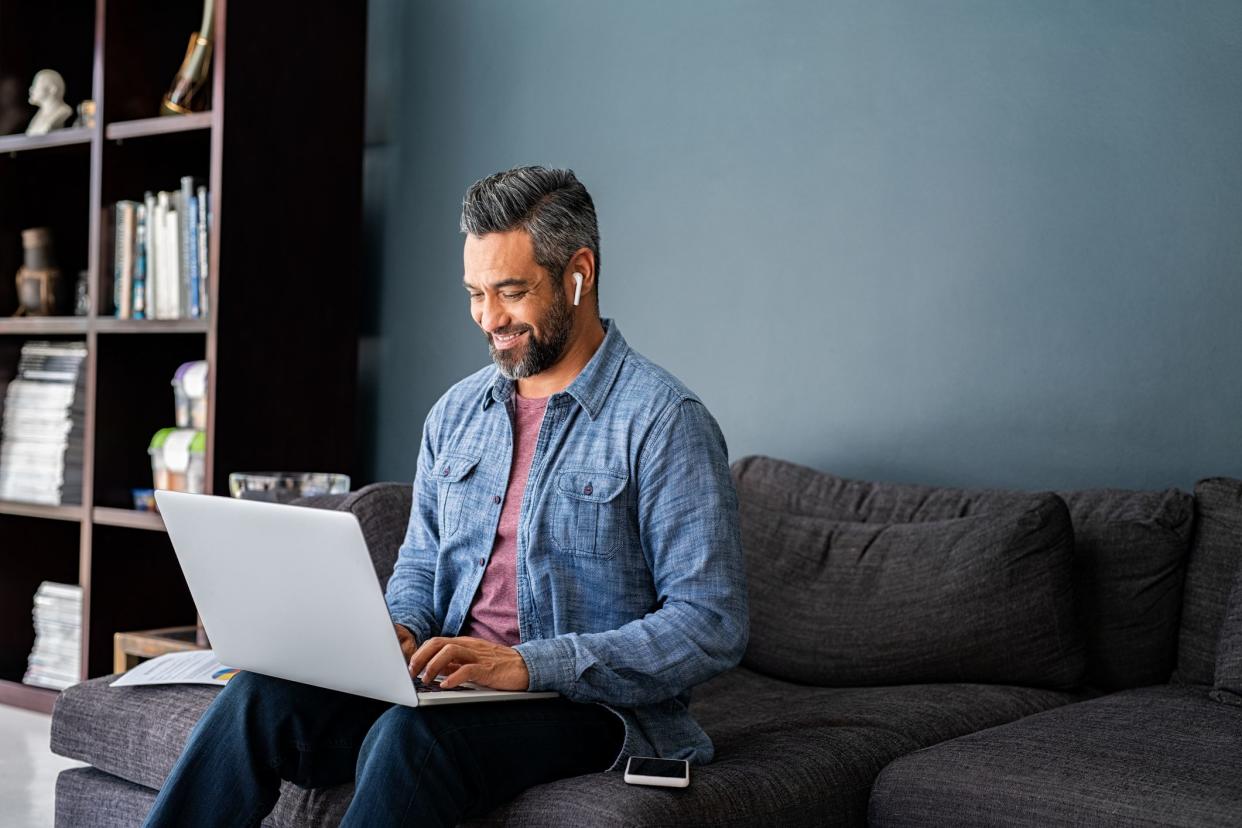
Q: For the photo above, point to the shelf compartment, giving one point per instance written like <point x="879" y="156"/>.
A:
<point x="73" y="136"/>
<point x="34" y="550"/>
<point x="136" y="584"/>
<point x="130" y="518"/>
<point x="139" y="70"/>
<point x="44" y="190"/>
<point x="49" y="34"/>
<point x="137" y="372"/>
<point x="160" y="125"/>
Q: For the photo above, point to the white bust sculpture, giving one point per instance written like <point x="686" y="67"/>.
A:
<point x="48" y="93"/>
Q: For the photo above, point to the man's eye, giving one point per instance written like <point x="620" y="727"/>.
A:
<point x="514" y="295"/>
<point x="474" y="296"/>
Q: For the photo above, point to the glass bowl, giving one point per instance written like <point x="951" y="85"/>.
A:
<point x="282" y="487"/>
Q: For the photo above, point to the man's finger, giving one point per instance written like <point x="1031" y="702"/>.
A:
<point x="424" y="654"/>
<point x="441" y="660"/>
<point x="465" y="672"/>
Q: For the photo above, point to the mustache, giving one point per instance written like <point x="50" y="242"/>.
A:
<point x="510" y="332"/>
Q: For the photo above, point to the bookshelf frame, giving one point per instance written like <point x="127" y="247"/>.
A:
<point x="280" y="337"/>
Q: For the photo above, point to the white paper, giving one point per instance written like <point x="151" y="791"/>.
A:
<point x="190" y="667"/>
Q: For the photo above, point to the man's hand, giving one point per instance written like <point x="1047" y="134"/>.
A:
<point x="470" y="659"/>
<point x="408" y="643"/>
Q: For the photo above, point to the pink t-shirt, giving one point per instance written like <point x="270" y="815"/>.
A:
<point x="493" y="615"/>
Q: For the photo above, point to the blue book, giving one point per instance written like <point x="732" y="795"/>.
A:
<point x="192" y="241"/>
<point x="140" y="264"/>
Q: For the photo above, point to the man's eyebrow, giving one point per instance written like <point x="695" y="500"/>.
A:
<point x="510" y="282"/>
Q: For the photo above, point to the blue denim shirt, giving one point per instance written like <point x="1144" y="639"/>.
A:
<point x="630" y="580"/>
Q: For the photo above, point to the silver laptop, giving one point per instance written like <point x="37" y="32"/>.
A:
<point x="290" y="592"/>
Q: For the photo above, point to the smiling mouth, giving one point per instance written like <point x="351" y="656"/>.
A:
<point x="502" y="343"/>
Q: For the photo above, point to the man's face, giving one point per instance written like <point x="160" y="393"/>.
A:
<point x="522" y="310"/>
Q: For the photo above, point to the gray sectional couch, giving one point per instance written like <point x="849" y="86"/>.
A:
<point x="918" y="655"/>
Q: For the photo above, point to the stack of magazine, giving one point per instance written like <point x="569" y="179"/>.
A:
<point x="43" y="424"/>
<point x="160" y="261"/>
<point x="56" y="659"/>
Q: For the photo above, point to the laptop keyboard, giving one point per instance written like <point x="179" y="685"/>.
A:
<point x="434" y="687"/>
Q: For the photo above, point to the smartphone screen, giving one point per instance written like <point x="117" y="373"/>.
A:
<point x="665" y="768"/>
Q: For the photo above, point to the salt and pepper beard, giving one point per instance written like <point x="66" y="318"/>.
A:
<point x="539" y="354"/>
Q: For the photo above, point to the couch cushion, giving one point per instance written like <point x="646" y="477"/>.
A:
<point x="90" y="797"/>
<point x="1158" y="755"/>
<point x="1130" y="550"/>
<point x="1129" y="557"/>
<point x="786" y="754"/>
<point x="1215" y="555"/>
<point x="983" y="598"/>
<point x="1229" y="651"/>
<point x="135" y="733"/>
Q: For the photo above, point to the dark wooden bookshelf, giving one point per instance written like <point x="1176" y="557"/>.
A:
<point x="279" y="146"/>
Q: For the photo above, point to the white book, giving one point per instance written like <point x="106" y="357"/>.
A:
<point x="171" y="258"/>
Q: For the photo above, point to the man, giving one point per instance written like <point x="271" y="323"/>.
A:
<point x="574" y="528"/>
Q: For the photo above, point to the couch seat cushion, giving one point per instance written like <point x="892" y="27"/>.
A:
<point x="786" y="754"/>
<point x="135" y="733"/>
<point x="1161" y="755"/>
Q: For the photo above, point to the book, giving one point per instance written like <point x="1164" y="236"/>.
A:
<point x="148" y="201"/>
<point x="55" y="661"/>
<point x="140" y="262"/>
<point x="202" y="249"/>
<point x="43" y="423"/>
<point x="187" y="241"/>
<point x="161" y="261"/>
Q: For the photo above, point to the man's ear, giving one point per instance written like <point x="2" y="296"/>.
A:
<point x="583" y="261"/>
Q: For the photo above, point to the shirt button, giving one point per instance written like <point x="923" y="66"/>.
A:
<point x="445" y="471"/>
<point x="587" y="489"/>
<point x="495" y="498"/>
<point x="481" y="562"/>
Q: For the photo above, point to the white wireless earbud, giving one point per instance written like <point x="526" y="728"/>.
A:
<point x="578" y="289"/>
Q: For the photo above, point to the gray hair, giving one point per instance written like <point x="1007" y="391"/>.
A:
<point x="550" y="205"/>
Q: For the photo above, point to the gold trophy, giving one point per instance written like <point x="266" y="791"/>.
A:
<point x="183" y="97"/>
<point x="38" y="277"/>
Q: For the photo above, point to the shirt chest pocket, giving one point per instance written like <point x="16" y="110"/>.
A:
<point x="590" y="512"/>
<point x="454" y="473"/>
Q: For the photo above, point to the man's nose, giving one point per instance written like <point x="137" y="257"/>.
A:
<point x="492" y="317"/>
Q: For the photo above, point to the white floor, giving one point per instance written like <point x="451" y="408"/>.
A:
<point x="28" y="769"/>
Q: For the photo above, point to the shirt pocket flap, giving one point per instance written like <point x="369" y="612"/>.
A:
<point x="451" y="466"/>
<point x="591" y="485"/>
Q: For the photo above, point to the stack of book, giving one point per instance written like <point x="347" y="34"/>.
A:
<point x="43" y="424"/>
<point x="56" y="660"/>
<point x="160" y="255"/>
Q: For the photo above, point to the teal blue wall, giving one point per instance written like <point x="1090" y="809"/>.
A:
<point x="977" y="243"/>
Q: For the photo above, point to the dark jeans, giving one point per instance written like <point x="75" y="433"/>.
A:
<point x="422" y="766"/>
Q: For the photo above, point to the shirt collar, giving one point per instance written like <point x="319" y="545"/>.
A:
<point x="590" y="388"/>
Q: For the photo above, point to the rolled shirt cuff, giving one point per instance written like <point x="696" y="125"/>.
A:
<point x="550" y="664"/>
